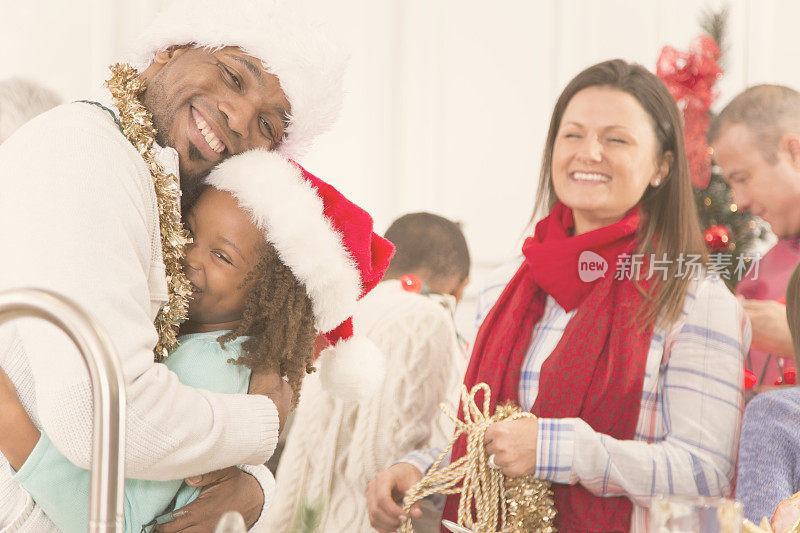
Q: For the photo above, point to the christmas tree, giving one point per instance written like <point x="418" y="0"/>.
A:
<point x="690" y="77"/>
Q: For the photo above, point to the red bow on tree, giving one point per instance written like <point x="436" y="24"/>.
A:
<point x="690" y="77"/>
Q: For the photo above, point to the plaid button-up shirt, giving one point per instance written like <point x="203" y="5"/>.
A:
<point x="687" y="434"/>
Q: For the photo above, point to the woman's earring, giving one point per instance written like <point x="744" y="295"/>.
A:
<point x="657" y="182"/>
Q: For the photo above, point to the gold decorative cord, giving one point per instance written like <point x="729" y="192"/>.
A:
<point x="137" y="125"/>
<point x="766" y="527"/>
<point x="509" y="505"/>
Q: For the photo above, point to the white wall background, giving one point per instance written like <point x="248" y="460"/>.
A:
<point x="448" y="100"/>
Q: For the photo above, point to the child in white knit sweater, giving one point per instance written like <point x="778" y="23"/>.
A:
<point x="251" y="310"/>
<point x="335" y="448"/>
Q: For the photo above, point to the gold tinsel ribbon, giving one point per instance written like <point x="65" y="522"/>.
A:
<point x="137" y="126"/>
<point x="509" y="505"/>
<point x="765" y="526"/>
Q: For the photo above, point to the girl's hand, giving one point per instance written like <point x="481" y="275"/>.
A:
<point x="513" y="444"/>
<point x="270" y="384"/>
<point x="18" y="435"/>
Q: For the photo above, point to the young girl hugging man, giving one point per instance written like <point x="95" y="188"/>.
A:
<point x="277" y="256"/>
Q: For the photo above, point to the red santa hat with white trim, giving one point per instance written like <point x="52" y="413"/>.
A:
<point x="329" y="244"/>
<point x="285" y="37"/>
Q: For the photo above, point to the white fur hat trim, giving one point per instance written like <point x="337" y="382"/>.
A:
<point x="288" y="209"/>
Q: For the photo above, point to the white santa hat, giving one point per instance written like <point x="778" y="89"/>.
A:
<point x="328" y="243"/>
<point x="309" y="66"/>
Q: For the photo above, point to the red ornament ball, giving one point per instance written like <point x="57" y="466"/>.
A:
<point x="411" y="283"/>
<point x="789" y="377"/>
<point x="750" y="379"/>
<point x="717" y="237"/>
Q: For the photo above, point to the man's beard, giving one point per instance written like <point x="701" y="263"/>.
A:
<point x="155" y="99"/>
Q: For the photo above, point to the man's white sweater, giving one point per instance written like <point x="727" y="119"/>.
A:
<point x="78" y="216"/>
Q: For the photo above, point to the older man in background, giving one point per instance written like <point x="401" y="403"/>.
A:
<point x="756" y="142"/>
<point x="20" y="101"/>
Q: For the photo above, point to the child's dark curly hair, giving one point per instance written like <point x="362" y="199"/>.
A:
<point x="279" y="319"/>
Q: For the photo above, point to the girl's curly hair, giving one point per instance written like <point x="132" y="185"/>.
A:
<point x="279" y="319"/>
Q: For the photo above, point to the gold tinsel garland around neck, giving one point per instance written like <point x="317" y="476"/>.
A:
<point x="137" y="125"/>
<point x="508" y="505"/>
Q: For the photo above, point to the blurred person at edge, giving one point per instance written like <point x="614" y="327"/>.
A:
<point x="756" y="142"/>
<point x="635" y="393"/>
<point x="20" y="101"/>
<point x="220" y="78"/>
<point x="769" y="452"/>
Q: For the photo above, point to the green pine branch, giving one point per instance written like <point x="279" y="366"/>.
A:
<point x="715" y="23"/>
<point x="308" y="517"/>
<point x="715" y="204"/>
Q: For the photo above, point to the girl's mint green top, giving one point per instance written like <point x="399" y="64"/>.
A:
<point x="61" y="489"/>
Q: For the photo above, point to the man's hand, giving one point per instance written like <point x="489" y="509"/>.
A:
<point x="770" y="327"/>
<point x="513" y="444"/>
<point x="388" y="487"/>
<point x="270" y="384"/>
<point x="225" y="490"/>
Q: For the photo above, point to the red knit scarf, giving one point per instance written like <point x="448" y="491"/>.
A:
<point x="597" y="369"/>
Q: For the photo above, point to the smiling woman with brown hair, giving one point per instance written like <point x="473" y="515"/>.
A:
<point x="635" y="377"/>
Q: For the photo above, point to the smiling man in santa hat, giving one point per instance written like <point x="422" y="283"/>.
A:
<point x="90" y="209"/>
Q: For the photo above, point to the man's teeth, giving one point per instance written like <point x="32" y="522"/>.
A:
<point x="211" y="139"/>
<point x="590" y="177"/>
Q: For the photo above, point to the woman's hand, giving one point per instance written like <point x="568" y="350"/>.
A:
<point x="513" y="444"/>
<point x="270" y="384"/>
<point x="385" y="490"/>
<point x="18" y="435"/>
